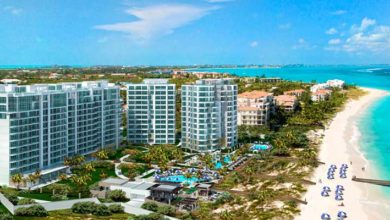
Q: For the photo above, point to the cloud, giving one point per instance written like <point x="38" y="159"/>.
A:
<point x="302" y="44"/>
<point x="339" y="12"/>
<point x="254" y="44"/>
<point x="218" y="1"/>
<point x="157" y="20"/>
<point x="285" y="26"/>
<point x="331" y="31"/>
<point x="13" y="10"/>
<point x="366" y="22"/>
<point x="366" y="37"/>
<point x="334" y="41"/>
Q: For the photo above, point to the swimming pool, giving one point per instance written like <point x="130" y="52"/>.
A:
<point x="260" y="147"/>
<point x="180" y="179"/>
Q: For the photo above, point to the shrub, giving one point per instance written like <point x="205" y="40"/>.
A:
<point x="116" y="208"/>
<point x="11" y="195"/>
<point x="32" y="211"/>
<point x="101" y="210"/>
<point x="151" y="206"/>
<point x="26" y="201"/>
<point x="57" y="197"/>
<point x="102" y="164"/>
<point x="152" y="216"/>
<point x="5" y="216"/>
<point x="118" y="195"/>
<point x="166" y="210"/>
<point x="60" y="189"/>
<point x="83" y="207"/>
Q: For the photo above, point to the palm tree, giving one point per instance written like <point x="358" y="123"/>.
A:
<point x="89" y="168"/>
<point x="188" y="175"/>
<point x="17" y="179"/>
<point x="32" y="178"/>
<point x="101" y="154"/>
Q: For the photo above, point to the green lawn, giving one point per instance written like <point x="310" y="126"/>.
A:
<point x="149" y="175"/>
<point x="95" y="176"/>
<point x="3" y="209"/>
<point x="68" y="215"/>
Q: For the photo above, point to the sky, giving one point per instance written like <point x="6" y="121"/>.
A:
<point x="193" y="32"/>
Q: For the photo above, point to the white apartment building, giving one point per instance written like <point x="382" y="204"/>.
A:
<point x="42" y="124"/>
<point x="209" y="115"/>
<point x="254" y="108"/>
<point x="151" y="112"/>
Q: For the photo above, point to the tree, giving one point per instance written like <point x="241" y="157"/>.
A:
<point x="101" y="154"/>
<point x="117" y="195"/>
<point x="17" y="179"/>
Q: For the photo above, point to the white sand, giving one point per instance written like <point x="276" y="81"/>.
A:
<point x="340" y="145"/>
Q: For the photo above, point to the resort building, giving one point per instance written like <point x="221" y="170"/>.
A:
<point x="336" y="83"/>
<point x="296" y="92"/>
<point x="254" y="108"/>
<point x="209" y="115"/>
<point x="321" y="95"/>
<point x="151" y="112"/>
<point x="286" y="102"/>
<point x="317" y="87"/>
<point x="42" y="124"/>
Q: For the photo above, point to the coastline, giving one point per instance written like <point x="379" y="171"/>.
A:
<point x="341" y="145"/>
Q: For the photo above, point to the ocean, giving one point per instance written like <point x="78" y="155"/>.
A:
<point x="374" y="125"/>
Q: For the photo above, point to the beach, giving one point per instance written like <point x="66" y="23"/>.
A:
<point x="340" y="145"/>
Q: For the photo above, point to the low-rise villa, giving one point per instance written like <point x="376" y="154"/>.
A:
<point x="254" y="107"/>
<point x="296" y="92"/>
<point x="287" y="102"/>
<point x="321" y="95"/>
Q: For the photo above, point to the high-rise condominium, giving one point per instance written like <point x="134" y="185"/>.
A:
<point x="42" y="124"/>
<point x="209" y="115"/>
<point x="151" y="112"/>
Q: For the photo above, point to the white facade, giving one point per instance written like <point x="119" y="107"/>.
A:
<point x="254" y="108"/>
<point x="151" y="112"/>
<point x="336" y="83"/>
<point x="209" y="115"/>
<point x="43" y="124"/>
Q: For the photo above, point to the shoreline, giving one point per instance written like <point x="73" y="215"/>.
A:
<point x="341" y="145"/>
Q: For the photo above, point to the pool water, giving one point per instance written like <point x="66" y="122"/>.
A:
<point x="260" y="147"/>
<point x="179" y="179"/>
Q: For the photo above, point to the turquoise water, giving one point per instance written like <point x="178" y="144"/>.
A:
<point x="179" y="179"/>
<point x="375" y="122"/>
<point x="260" y="147"/>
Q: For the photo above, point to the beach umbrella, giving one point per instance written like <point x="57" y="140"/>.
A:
<point x="343" y="176"/>
<point x="325" y="216"/>
<point x="326" y="188"/>
<point x="339" y="198"/>
<point x="344" y="165"/>
<point x="341" y="214"/>
<point x="330" y="177"/>
<point x="324" y="193"/>
<point x="333" y="166"/>
<point x="339" y="192"/>
<point x="340" y="187"/>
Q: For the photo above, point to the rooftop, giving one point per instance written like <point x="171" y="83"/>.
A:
<point x="139" y="185"/>
<point x="165" y="188"/>
<point x="247" y="108"/>
<point x="294" y="91"/>
<point x="254" y="94"/>
<point x="323" y="92"/>
<point x="155" y="81"/>
<point x="54" y="87"/>
<point x="285" y="98"/>
<point x="113" y="181"/>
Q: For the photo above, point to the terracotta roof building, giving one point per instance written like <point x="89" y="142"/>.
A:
<point x="254" y="107"/>
<point x="296" y="92"/>
<point x="287" y="102"/>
